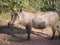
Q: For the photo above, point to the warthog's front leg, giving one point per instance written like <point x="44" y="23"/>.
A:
<point x="28" y="30"/>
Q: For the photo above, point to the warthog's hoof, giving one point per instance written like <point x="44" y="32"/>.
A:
<point x="51" y="38"/>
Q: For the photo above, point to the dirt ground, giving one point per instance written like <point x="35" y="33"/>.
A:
<point x="17" y="36"/>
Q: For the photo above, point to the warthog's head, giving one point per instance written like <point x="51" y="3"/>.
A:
<point x="14" y="15"/>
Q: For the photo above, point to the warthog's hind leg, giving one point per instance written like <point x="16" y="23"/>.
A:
<point x="54" y="28"/>
<point x="58" y="29"/>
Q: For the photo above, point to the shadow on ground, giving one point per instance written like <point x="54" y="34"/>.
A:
<point x="18" y="34"/>
<point x="12" y="29"/>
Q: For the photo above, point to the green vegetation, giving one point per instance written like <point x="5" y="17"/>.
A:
<point x="34" y="5"/>
<point x="5" y="15"/>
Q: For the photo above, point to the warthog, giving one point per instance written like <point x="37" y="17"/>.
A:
<point x="38" y="20"/>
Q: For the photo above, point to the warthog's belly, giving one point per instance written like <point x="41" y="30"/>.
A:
<point x="40" y="25"/>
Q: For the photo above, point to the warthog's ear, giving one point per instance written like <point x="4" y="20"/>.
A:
<point x="19" y="10"/>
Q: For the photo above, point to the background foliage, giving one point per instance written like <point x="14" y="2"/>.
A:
<point x="34" y="5"/>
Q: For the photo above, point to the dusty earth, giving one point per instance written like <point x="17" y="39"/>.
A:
<point x="16" y="35"/>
